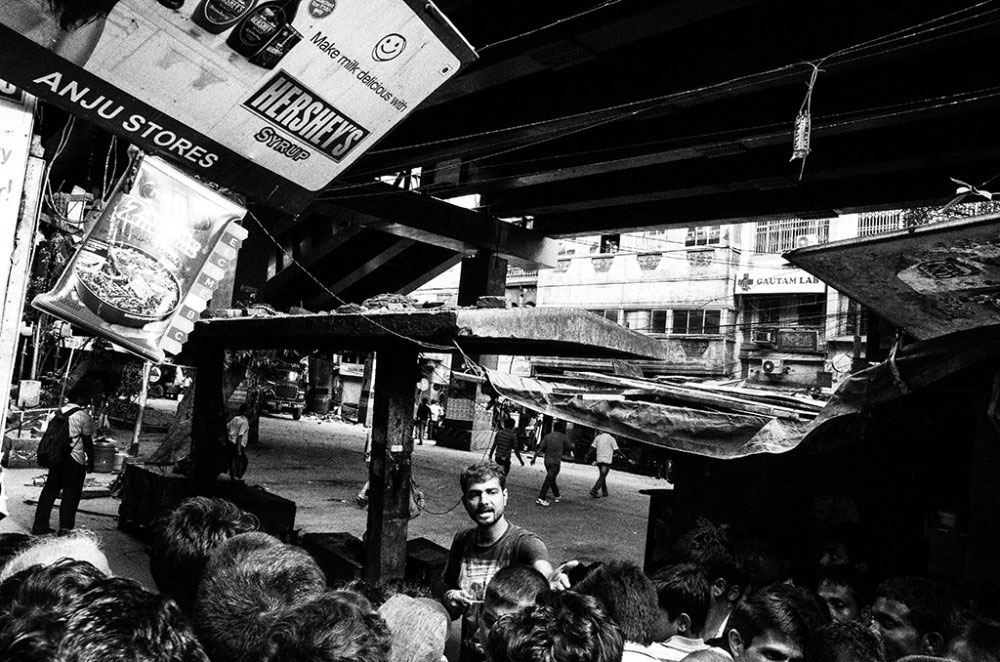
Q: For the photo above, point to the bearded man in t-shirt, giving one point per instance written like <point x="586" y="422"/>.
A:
<point x="478" y="553"/>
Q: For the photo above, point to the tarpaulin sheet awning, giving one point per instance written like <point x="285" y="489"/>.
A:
<point x="725" y="430"/>
<point x="913" y="367"/>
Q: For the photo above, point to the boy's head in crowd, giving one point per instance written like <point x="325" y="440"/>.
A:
<point x="77" y="544"/>
<point x="977" y="640"/>
<point x="510" y="590"/>
<point x="628" y="598"/>
<point x="184" y="540"/>
<point x="913" y="616"/>
<point x="35" y="604"/>
<point x="418" y="627"/>
<point x="116" y="619"/>
<point x="562" y="626"/>
<point x="845" y="590"/>
<point x="251" y="581"/>
<point x="844" y="641"/>
<point x="772" y="625"/>
<point x="333" y="626"/>
<point x="713" y="548"/>
<point x="684" y="595"/>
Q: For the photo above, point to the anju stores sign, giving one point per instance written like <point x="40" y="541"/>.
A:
<point x="272" y="98"/>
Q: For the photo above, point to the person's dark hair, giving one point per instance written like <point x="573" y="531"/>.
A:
<point x="784" y="609"/>
<point x="851" y="576"/>
<point x="978" y="640"/>
<point x="242" y="411"/>
<point x="77" y="13"/>
<point x="713" y="548"/>
<point x="683" y="588"/>
<point x="481" y="472"/>
<point x="628" y="598"/>
<point x="54" y="588"/>
<point x="331" y="627"/>
<point x="515" y="586"/>
<point x="508" y="423"/>
<point x="117" y="619"/>
<point x="849" y="539"/>
<point x="250" y="583"/>
<point x="184" y="540"/>
<point x="562" y="626"/>
<point x="844" y="640"/>
<point x="932" y="605"/>
<point x="764" y="563"/>
<point x="35" y="604"/>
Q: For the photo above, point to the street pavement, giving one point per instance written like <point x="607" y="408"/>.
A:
<point x="319" y="465"/>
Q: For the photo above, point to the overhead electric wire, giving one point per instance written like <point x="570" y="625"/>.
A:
<point x="911" y="33"/>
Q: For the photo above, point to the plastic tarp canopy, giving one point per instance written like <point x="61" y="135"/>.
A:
<point x="913" y="367"/>
<point x="721" y="430"/>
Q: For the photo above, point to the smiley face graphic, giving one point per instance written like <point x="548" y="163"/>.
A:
<point x="389" y="47"/>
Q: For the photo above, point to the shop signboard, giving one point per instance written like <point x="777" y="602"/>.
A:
<point x="147" y="267"/>
<point x="770" y="274"/>
<point x="272" y="98"/>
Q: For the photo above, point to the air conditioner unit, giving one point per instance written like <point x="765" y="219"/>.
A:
<point x="772" y="367"/>
<point x="764" y="336"/>
<point x="806" y="240"/>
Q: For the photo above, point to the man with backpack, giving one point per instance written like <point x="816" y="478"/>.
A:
<point x="67" y="450"/>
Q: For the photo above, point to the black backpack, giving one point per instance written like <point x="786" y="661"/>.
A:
<point x="55" y="440"/>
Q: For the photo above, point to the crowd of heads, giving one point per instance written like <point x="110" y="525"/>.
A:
<point x="230" y="593"/>
<point x="227" y="593"/>
<point x="720" y="598"/>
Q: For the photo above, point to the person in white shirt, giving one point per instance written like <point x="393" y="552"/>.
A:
<point x="604" y="448"/>
<point x="237" y="433"/>
<point x="65" y="479"/>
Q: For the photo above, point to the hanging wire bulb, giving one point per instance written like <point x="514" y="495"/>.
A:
<point x="801" y="136"/>
<point x="802" y="133"/>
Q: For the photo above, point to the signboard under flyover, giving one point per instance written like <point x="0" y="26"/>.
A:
<point x="272" y="98"/>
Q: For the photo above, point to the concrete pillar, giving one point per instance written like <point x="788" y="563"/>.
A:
<point x="483" y="274"/>
<point x="389" y="473"/>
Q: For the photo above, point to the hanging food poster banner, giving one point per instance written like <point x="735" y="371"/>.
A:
<point x="150" y="262"/>
<point x="272" y="98"/>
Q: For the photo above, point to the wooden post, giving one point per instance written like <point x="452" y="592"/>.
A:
<point x="208" y="425"/>
<point x="366" y="389"/>
<point x="389" y="474"/>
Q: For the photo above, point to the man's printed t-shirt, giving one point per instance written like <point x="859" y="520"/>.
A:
<point x="605" y="447"/>
<point x="471" y="566"/>
<point x="506" y="438"/>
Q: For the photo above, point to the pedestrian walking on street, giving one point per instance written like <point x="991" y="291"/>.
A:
<point x="237" y="433"/>
<point x="435" y="420"/>
<point x="603" y="449"/>
<point x="421" y="419"/>
<point x="504" y="443"/>
<point x="553" y="446"/>
<point x="65" y="478"/>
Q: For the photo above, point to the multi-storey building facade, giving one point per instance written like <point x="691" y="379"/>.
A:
<point x="721" y="297"/>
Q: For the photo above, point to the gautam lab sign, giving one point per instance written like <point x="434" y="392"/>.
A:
<point x="272" y="98"/>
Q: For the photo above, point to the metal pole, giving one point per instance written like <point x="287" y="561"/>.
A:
<point x="134" y="448"/>
<point x="69" y="365"/>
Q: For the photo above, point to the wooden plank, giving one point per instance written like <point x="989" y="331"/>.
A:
<point x="208" y="454"/>
<point x="389" y="473"/>
<point x="518" y="331"/>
